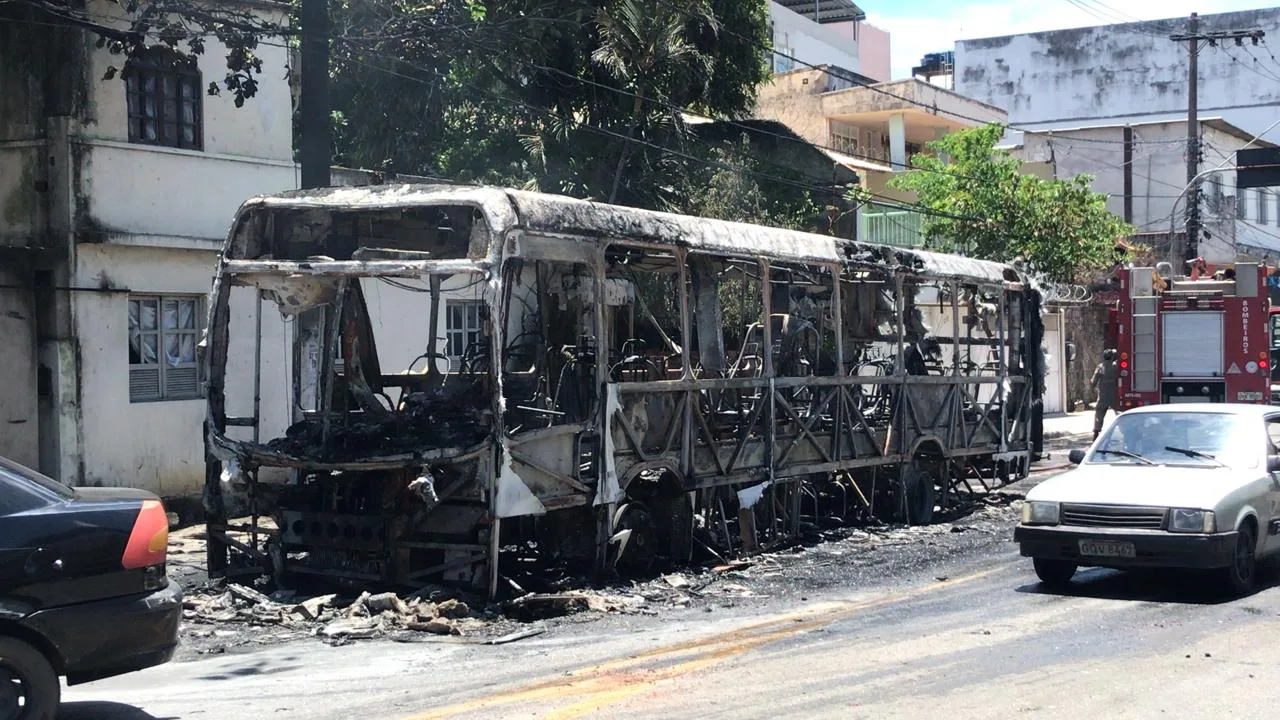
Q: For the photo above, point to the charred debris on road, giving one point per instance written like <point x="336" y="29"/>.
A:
<point x="222" y="616"/>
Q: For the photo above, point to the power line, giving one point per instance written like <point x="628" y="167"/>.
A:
<point x="1255" y="69"/>
<point x="892" y="202"/>
<point x="847" y="76"/>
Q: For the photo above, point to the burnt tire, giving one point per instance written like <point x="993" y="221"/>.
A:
<point x="1054" y="574"/>
<point x="1241" y="575"/>
<point x="918" y="483"/>
<point x="29" y="688"/>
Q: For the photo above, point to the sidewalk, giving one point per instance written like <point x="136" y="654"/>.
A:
<point x="1069" y="424"/>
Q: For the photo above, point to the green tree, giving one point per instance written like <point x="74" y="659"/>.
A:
<point x="128" y="28"/>
<point x="573" y="96"/>
<point x="985" y="207"/>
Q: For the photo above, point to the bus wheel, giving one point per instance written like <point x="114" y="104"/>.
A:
<point x="633" y="539"/>
<point x="918" y="482"/>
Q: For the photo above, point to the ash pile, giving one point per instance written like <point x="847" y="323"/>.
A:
<point x="331" y="617"/>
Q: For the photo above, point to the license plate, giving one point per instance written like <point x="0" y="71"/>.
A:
<point x="1248" y="396"/>
<point x="1107" y="548"/>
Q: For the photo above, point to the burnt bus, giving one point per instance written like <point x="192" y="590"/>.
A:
<point x="403" y="380"/>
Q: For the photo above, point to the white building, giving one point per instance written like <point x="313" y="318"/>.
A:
<point x="117" y="195"/>
<point x="1143" y="190"/>
<point x="827" y="32"/>
<point x="1118" y="74"/>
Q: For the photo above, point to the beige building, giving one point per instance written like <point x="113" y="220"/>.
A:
<point x="872" y="129"/>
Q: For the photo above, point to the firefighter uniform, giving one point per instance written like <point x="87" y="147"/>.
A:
<point x="1106" y="378"/>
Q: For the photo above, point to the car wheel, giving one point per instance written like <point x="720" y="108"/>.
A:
<point x="29" y="687"/>
<point x="1054" y="573"/>
<point x="1240" y="575"/>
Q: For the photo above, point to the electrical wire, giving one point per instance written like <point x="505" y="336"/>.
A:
<point x="833" y="70"/>
<point x="884" y="200"/>
<point x="850" y="77"/>
<point x="1255" y="69"/>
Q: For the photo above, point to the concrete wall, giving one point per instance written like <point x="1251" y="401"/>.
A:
<point x="1159" y="175"/>
<point x="1120" y="73"/>
<point x="262" y="128"/>
<point x="794" y="99"/>
<point x="912" y="96"/>
<point x="22" y="207"/>
<point x="809" y="42"/>
<point x="120" y="218"/>
<point x="153" y="445"/>
<point x="19" y="410"/>
<point x="1085" y="325"/>
<point x="804" y="101"/>
<point x="874" y="52"/>
<point x="131" y="192"/>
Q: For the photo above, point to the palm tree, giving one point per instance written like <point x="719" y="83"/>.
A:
<point x="644" y="46"/>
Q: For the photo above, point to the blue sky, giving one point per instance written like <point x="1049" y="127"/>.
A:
<point x="920" y="26"/>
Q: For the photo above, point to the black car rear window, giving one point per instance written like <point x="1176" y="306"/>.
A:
<point x="23" y="489"/>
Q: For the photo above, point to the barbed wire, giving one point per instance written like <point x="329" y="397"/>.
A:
<point x="1064" y="293"/>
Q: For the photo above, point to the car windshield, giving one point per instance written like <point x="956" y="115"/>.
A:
<point x="1180" y="438"/>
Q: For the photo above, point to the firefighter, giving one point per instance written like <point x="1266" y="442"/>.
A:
<point x="1106" y="379"/>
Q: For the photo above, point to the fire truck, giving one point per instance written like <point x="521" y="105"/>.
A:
<point x="1275" y="354"/>
<point x="1196" y="338"/>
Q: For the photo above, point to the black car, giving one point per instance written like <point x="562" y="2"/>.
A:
<point x="83" y="590"/>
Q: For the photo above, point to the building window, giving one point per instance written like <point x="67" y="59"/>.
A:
<point x="162" y="89"/>
<point x="1262" y="207"/>
<point x="844" y="137"/>
<point x="464" y="321"/>
<point x="1242" y="204"/>
<point x="163" y="332"/>
<point x="1215" y="195"/>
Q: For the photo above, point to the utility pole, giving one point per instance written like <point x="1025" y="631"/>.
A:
<point x="1192" y="235"/>
<point x="1193" y="37"/>
<point x="315" y="145"/>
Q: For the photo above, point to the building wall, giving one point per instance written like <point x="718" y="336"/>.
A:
<point x="19" y="409"/>
<point x="875" y="52"/>
<point x="810" y="42"/>
<point x="1159" y="175"/>
<point x="1120" y="72"/>
<point x="912" y="96"/>
<point x="793" y="99"/>
<point x="163" y="196"/>
<point x="154" y="445"/>
<point x="1085" y="326"/>
<point x="119" y="218"/>
<point x="262" y="128"/>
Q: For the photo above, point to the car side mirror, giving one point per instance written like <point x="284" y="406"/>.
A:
<point x="1077" y="456"/>
<point x="1273" y="463"/>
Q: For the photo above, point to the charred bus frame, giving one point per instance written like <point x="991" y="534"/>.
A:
<point x="624" y="385"/>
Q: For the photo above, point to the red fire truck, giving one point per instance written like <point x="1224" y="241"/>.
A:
<point x="1193" y="339"/>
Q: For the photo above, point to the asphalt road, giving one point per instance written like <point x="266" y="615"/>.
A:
<point x="985" y="642"/>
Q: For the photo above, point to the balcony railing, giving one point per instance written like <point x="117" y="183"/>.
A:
<point x="902" y="228"/>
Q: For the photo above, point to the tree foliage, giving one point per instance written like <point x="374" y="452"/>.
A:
<point x="128" y="28"/>
<point x="581" y="97"/>
<point x="985" y="207"/>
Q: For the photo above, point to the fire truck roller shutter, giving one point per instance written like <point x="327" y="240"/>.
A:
<point x="1185" y="338"/>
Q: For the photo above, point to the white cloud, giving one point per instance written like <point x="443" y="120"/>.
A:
<point x="936" y="26"/>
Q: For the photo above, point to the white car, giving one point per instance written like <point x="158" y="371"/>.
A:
<point x="1165" y="486"/>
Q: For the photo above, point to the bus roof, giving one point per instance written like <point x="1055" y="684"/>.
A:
<point x="541" y="212"/>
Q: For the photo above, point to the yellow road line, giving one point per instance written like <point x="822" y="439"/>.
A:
<point x="611" y="682"/>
